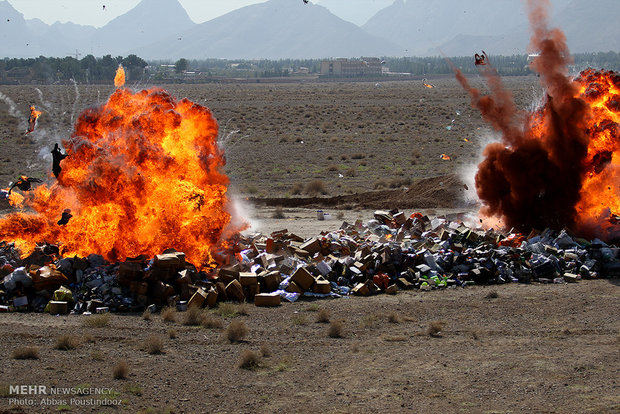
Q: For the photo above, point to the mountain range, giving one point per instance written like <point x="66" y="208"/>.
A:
<point x="276" y="29"/>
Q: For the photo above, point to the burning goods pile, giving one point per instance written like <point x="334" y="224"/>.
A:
<point x="558" y="166"/>
<point x="139" y="216"/>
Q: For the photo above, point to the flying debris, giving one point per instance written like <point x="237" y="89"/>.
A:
<point x="445" y="157"/>
<point x="481" y="59"/>
<point x="24" y="183"/>
<point x="66" y="216"/>
<point x="306" y="1"/>
<point x="57" y="156"/>
<point x="426" y="84"/>
<point x="32" y="119"/>
<point x="104" y="7"/>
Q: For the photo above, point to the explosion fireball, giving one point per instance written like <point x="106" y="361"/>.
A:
<point x="557" y="167"/>
<point x="143" y="174"/>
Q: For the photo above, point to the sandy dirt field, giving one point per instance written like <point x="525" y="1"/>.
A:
<point x="501" y="349"/>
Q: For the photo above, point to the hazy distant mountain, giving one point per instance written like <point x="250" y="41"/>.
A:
<point x="149" y="21"/>
<point x="463" y="27"/>
<point x="273" y="30"/>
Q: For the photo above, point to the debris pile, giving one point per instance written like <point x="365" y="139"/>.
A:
<point x="392" y="251"/>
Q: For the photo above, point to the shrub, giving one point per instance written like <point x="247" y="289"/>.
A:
<point x="393" y="317"/>
<point x="147" y="315"/>
<point x="236" y="331"/>
<point x="332" y="168"/>
<point x="154" y="345"/>
<point x="193" y="316"/>
<point x="248" y="360"/>
<point x="434" y="328"/>
<point x="66" y="342"/>
<point x="120" y="370"/>
<point x="315" y="187"/>
<point x="26" y="352"/>
<point x="323" y="316"/>
<point x="492" y="295"/>
<point x="210" y="322"/>
<point x="169" y="314"/>
<point x="278" y="213"/>
<point x="351" y="172"/>
<point x="265" y="351"/>
<point x="335" y="329"/>
<point x="297" y="189"/>
<point x="97" y="321"/>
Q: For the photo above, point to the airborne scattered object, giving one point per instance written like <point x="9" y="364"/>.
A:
<point x="32" y="119"/>
<point x="426" y="84"/>
<point x="481" y="59"/>
<point x="24" y="183"/>
<point x="306" y="1"/>
<point x="66" y="216"/>
<point x="57" y="156"/>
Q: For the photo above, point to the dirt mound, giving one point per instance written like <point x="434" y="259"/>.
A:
<point x="444" y="191"/>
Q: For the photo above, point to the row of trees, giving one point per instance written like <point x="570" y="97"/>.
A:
<point x="94" y="70"/>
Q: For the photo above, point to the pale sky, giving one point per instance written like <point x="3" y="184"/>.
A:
<point x="91" y="12"/>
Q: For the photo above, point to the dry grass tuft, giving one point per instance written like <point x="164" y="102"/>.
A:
<point x="249" y="360"/>
<point x="315" y="187"/>
<point x="297" y="189"/>
<point x="265" y="351"/>
<point x="193" y="316"/>
<point x="172" y="333"/>
<point x="395" y="338"/>
<point x="154" y="345"/>
<point x="434" y="328"/>
<point x="278" y="213"/>
<point x="236" y="331"/>
<point x="393" y="317"/>
<point x="299" y="319"/>
<point x="323" y="316"/>
<point x="147" y="315"/>
<point x="492" y="295"/>
<point x="66" y="343"/>
<point x="97" y="321"/>
<point x="211" y="322"/>
<point x="88" y="338"/>
<point x="169" y="314"/>
<point x="26" y="352"/>
<point x="120" y="370"/>
<point x="97" y="355"/>
<point x="335" y="329"/>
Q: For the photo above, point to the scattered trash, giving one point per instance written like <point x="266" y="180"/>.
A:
<point x="481" y="59"/>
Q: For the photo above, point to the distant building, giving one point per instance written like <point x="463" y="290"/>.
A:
<point x="349" y="68"/>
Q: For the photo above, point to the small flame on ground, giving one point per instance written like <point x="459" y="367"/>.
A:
<point x="119" y="78"/>
<point x="32" y="120"/>
<point x="445" y="157"/>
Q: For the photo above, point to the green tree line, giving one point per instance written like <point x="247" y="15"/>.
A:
<point x="101" y="70"/>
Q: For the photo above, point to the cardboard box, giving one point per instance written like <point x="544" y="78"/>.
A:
<point x="267" y="299"/>
<point x="303" y="278"/>
<point x="197" y="298"/>
<point x="361" y="290"/>
<point x="294" y="288"/>
<point x="234" y="290"/>
<point x="248" y="279"/>
<point x="212" y="297"/>
<point x="272" y="281"/>
<point x="322" y="286"/>
<point x="58" y="307"/>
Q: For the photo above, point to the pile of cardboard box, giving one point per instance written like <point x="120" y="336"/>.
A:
<point x="393" y="251"/>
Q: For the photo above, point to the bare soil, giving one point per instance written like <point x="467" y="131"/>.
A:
<point x="533" y="348"/>
<point x="536" y="348"/>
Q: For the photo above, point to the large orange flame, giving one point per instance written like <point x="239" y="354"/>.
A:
<point x="600" y="190"/>
<point x="556" y="167"/>
<point x="143" y="174"/>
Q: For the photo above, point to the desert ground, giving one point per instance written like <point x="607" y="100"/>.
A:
<point x="483" y="349"/>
